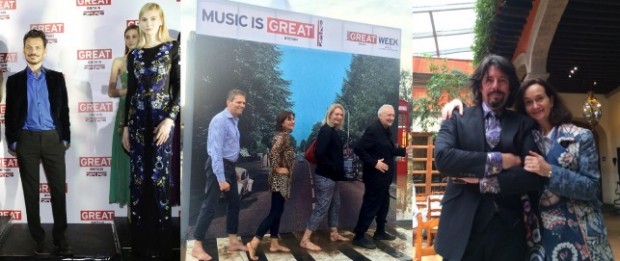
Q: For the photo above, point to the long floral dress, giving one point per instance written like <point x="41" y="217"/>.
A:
<point x="119" y="171"/>
<point x="572" y="219"/>
<point x="152" y="96"/>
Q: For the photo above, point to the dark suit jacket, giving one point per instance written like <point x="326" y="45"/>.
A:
<point x="328" y="153"/>
<point x="377" y="143"/>
<point x="460" y="151"/>
<point x="17" y="104"/>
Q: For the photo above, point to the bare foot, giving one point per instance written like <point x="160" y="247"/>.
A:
<point x="251" y="251"/>
<point x="337" y="237"/>
<point x="237" y="247"/>
<point x="309" y="245"/>
<point x="200" y="253"/>
<point x="279" y="248"/>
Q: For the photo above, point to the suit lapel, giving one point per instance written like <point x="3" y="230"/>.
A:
<point x="476" y="120"/>
<point x="50" y="80"/>
<point x="23" y="92"/>
<point x="509" y="131"/>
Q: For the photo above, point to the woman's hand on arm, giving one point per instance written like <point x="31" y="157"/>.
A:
<point x="536" y="163"/>
<point x="446" y="110"/>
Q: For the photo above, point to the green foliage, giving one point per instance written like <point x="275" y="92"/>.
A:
<point x="267" y="93"/>
<point x="370" y="83"/>
<point x="405" y="90"/>
<point x="444" y="81"/>
<point x="483" y="28"/>
<point x="251" y="67"/>
<point x="315" y="132"/>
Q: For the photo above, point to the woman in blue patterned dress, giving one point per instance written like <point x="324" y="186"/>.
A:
<point x="119" y="171"/>
<point x="152" y="105"/>
<point x="572" y="219"/>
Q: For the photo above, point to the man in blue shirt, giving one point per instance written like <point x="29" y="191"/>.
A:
<point x="37" y="130"/>
<point x="223" y="149"/>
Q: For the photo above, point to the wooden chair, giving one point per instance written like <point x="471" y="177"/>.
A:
<point x="425" y="248"/>
<point x="433" y="203"/>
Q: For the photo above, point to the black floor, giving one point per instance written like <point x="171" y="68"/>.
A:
<point x="122" y="230"/>
<point x="89" y="241"/>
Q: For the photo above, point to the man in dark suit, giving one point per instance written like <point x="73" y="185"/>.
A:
<point x="37" y="130"/>
<point x="481" y="153"/>
<point x="377" y="150"/>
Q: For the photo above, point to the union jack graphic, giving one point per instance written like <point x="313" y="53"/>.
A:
<point x="319" y="33"/>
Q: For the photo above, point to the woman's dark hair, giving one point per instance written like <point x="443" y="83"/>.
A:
<point x="34" y="33"/>
<point x="559" y="112"/>
<point x="130" y="27"/>
<point x="502" y="64"/>
<point x="284" y="115"/>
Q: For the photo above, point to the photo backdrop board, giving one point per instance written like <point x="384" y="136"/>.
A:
<point x="83" y="38"/>
<point x="284" y="61"/>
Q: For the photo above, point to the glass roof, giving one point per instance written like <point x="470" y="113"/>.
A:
<point x="444" y="27"/>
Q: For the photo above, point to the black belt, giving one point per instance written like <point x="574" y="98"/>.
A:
<point x="38" y="131"/>
<point x="229" y="163"/>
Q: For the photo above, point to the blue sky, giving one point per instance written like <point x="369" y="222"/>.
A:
<point x="316" y="78"/>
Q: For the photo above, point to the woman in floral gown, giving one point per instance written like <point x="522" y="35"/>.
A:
<point x="572" y="219"/>
<point x="152" y="105"/>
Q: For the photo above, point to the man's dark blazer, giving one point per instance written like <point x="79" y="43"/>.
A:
<point x="377" y="143"/>
<point x="17" y="104"/>
<point x="460" y="151"/>
<point x="329" y="154"/>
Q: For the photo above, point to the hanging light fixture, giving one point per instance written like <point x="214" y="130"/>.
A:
<point x="592" y="109"/>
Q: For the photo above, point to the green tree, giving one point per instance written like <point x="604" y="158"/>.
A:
<point x="370" y="82"/>
<point x="444" y="85"/>
<point x="251" y="67"/>
<point x="268" y="93"/>
<point x="483" y="28"/>
<point x="315" y="132"/>
<point x="405" y="90"/>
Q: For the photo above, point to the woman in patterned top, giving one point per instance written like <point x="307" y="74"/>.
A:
<point x="572" y="220"/>
<point x="152" y="105"/>
<point x="281" y="159"/>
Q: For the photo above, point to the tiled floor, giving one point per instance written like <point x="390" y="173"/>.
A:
<point x="397" y="250"/>
<point x="400" y="249"/>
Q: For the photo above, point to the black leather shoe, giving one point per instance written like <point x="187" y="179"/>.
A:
<point x="63" y="249"/>
<point x="383" y="236"/>
<point x="363" y="242"/>
<point x="41" y="249"/>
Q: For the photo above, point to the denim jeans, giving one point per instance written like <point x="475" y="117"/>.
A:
<point x="212" y="194"/>
<point x="327" y="202"/>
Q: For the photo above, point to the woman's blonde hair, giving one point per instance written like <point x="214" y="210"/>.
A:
<point x="162" y="34"/>
<point x="331" y="110"/>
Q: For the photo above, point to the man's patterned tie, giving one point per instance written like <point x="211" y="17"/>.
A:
<point x="489" y="184"/>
